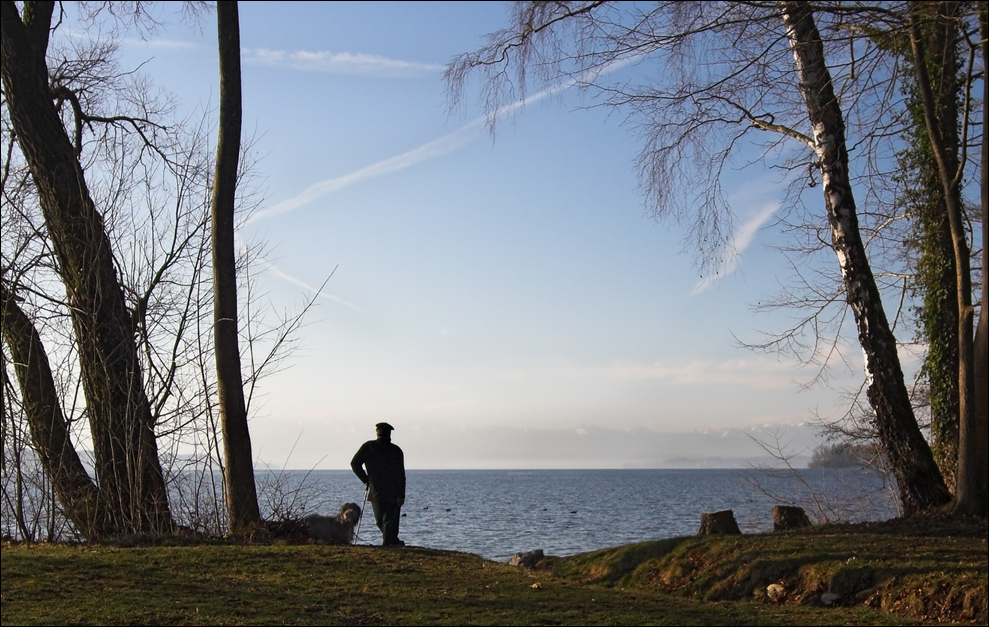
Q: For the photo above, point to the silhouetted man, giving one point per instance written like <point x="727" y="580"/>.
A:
<point x="381" y="466"/>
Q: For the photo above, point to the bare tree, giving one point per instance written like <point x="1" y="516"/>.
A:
<point x="150" y="177"/>
<point x="941" y="130"/>
<point x="242" y="501"/>
<point x="939" y="70"/>
<point x="923" y="196"/>
<point x="722" y="74"/>
<point x="48" y="427"/>
<point x="921" y="485"/>
<point x="132" y="484"/>
<point x="148" y="182"/>
<point x="973" y="480"/>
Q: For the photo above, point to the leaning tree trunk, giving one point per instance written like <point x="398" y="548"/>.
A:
<point x="78" y="496"/>
<point x="920" y="483"/>
<point x="131" y="481"/>
<point x="243" y="514"/>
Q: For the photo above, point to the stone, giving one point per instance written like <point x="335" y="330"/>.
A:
<point x="829" y="598"/>
<point x="775" y="591"/>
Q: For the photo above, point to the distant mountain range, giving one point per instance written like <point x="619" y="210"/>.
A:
<point x="596" y="447"/>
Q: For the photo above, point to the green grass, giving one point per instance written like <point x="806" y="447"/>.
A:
<point x="894" y="579"/>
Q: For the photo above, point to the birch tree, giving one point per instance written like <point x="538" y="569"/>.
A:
<point x="919" y="479"/>
<point x="721" y="75"/>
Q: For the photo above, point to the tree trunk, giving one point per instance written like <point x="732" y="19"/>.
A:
<point x="789" y="517"/>
<point x="950" y="176"/>
<point x="76" y="492"/>
<point x="920" y="484"/>
<point x="130" y="477"/>
<point x="972" y="495"/>
<point x="715" y="523"/>
<point x="243" y="513"/>
<point x="936" y="273"/>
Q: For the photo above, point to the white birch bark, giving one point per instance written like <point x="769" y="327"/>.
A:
<point x="919" y="480"/>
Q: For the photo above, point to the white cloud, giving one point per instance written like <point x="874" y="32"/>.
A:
<point x="748" y="373"/>
<point x="438" y="147"/>
<point x="136" y="42"/>
<point x="162" y="44"/>
<point x="338" y="63"/>
<point x="311" y="289"/>
<point x="754" y="373"/>
<point x="431" y="150"/>
<point x="741" y="240"/>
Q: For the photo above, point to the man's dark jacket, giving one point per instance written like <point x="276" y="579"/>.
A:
<point x="385" y="464"/>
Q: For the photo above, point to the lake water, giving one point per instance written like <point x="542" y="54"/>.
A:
<point x="497" y="513"/>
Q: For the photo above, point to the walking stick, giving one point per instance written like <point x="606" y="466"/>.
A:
<point x="357" y="534"/>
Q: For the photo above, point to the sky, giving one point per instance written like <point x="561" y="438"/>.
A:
<point x="503" y="301"/>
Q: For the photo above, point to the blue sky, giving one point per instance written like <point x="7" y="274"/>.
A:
<point x="502" y="301"/>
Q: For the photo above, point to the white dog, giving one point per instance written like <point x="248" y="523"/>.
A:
<point x="337" y="529"/>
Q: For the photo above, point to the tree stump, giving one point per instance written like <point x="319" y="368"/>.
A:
<point x="722" y="522"/>
<point x="786" y="517"/>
